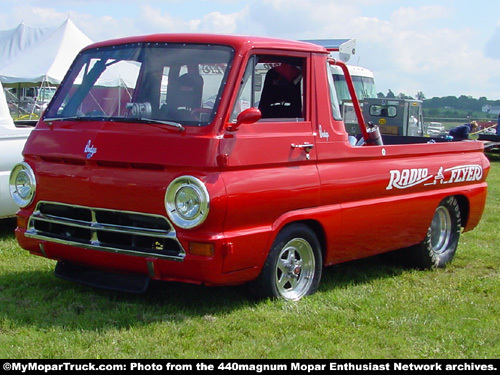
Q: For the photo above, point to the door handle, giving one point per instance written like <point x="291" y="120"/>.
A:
<point x="307" y="147"/>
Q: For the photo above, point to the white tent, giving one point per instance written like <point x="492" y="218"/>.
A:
<point x="34" y="56"/>
<point x="19" y="39"/>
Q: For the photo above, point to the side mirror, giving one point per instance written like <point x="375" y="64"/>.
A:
<point x="248" y="116"/>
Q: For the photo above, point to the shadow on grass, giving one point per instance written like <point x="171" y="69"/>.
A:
<point x="39" y="298"/>
<point x="7" y="227"/>
<point x="493" y="157"/>
<point x="362" y="271"/>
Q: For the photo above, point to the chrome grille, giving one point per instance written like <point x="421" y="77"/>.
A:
<point x="124" y="232"/>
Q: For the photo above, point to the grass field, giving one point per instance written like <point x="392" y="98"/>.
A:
<point x="364" y="309"/>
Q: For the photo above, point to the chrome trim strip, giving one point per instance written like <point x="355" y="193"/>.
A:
<point x="34" y="235"/>
<point x="37" y="215"/>
<point x="94" y="227"/>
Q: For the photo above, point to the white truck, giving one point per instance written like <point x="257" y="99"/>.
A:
<point x="12" y="140"/>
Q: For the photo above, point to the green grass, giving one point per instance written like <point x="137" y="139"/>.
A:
<point x="364" y="309"/>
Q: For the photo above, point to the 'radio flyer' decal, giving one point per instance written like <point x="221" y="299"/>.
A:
<point x="407" y="178"/>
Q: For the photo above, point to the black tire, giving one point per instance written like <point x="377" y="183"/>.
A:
<point x="441" y="241"/>
<point x="293" y="266"/>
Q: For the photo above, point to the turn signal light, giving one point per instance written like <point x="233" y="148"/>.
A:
<point x="203" y="249"/>
<point x="22" y="222"/>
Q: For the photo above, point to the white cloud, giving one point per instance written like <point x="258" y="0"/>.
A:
<point x="492" y="47"/>
<point x="411" y="52"/>
<point x="38" y="16"/>
<point x="152" y="20"/>
<point x="411" y="47"/>
<point x="216" y="22"/>
<point x="418" y="18"/>
<point x="295" y="19"/>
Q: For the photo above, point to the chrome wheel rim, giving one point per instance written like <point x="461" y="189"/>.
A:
<point x="295" y="269"/>
<point x="440" y="230"/>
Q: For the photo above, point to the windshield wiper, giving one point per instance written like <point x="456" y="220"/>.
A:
<point x="50" y="120"/>
<point x="161" y="122"/>
<point x="68" y="118"/>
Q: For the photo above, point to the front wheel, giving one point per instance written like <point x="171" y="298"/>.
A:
<point x="293" y="267"/>
<point x="440" y="244"/>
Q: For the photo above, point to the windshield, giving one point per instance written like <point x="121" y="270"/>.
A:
<point x="172" y="82"/>
<point x="364" y="87"/>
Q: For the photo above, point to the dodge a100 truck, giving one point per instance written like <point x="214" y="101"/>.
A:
<point x="223" y="160"/>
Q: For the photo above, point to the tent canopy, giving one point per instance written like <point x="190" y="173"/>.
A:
<point x="33" y="56"/>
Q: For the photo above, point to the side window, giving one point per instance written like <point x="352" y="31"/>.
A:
<point x="334" y="101"/>
<point x="383" y="110"/>
<point x="246" y="97"/>
<point x="275" y="85"/>
<point x="414" y="120"/>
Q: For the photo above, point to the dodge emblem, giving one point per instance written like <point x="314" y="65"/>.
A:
<point x="90" y="150"/>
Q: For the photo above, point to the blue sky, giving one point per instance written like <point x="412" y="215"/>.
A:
<point x="447" y="47"/>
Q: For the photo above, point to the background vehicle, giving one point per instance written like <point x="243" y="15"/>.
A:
<point x="434" y="129"/>
<point x="12" y="140"/>
<point x="363" y="80"/>
<point x="395" y="116"/>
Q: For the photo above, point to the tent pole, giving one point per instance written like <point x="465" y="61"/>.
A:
<point x="18" y="100"/>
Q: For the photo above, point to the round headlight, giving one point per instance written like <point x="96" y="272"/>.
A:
<point x="187" y="202"/>
<point x="22" y="184"/>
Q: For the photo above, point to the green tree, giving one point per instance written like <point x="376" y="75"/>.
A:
<point x="404" y="96"/>
<point x="420" y="95"/>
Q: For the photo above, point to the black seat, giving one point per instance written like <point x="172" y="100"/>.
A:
<point x="281" y="96"/>
<point x="184" y="95"/>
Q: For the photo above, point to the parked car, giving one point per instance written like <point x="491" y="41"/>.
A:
<point x="435" y="129"/>
<point x="12" y="140"/>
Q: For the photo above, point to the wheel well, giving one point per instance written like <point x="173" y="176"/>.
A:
<point x="463" y="204"/>
<point x="317" y="228"/>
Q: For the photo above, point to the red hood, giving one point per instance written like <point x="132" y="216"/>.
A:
<point x="115" y="165"/>
<point x="134" y="143"/>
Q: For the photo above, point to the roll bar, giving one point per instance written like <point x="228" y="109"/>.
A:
<point x="355" y="102"/>
<point x="345" y="47"/>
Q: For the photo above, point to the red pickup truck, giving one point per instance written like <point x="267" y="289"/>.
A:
<point x="219" y="160"/>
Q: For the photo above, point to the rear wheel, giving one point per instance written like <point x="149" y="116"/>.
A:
<point x="293" y="267"/>
<point x="440" y="244"/>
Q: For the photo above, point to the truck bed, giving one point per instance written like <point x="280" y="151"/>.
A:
<point x="401" y="139"/>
